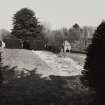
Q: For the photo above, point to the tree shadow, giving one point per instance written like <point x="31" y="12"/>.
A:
<point x="29" y="88"/>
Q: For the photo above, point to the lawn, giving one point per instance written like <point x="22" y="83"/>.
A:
<point x="46" y="63"/>
<point x="79" y="58"/>
<point x="36" y="90"/>
<point x="21" y="59"/>
<point x="40" y="91"/>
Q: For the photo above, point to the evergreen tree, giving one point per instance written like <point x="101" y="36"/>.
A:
<point x="76" y="26"/>
<point x="26" y="25"/>
<point x="93" y="74"/>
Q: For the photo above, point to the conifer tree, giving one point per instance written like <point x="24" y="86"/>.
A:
<point x="26" y="26"/>
<point x="93" y="74"/>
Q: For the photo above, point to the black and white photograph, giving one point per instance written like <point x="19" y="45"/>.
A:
<point x="52" y="52"/>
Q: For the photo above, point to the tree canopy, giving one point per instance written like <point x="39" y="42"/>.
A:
<point x="25" y="24"/>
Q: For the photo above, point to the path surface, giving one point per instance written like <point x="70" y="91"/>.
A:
<point x="63" y="66"/>
<point x="46" y="63"/>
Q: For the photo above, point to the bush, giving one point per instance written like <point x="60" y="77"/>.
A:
<point x="13" y="43"/>
<point x="54" y="49"/>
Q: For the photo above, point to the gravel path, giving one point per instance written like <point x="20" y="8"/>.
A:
<point x="63" y="66"/>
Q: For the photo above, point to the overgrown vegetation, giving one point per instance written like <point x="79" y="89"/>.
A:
<point x="94" y="68"/>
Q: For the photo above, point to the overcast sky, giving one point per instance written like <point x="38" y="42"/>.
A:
<point x="56" y="13"/>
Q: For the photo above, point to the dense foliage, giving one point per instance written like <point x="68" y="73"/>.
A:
<point x="94" y="68"/>
<point x="26" y="26"/>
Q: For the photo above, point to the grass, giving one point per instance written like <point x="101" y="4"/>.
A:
<point x="21" y="58"/>
<point x="35" y="90"/>
<point x="27" y="59"/>
<point x="41" y="91"/>
<point x="79" y="58"/>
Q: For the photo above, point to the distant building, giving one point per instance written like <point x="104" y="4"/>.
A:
<point x="66" y="46"/>
<point x="2" y="44"/>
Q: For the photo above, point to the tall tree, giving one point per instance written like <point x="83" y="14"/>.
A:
<point x="94" y="67"/>
<point x="74" y="33"/>
<point x="26" y="25"/>
<point x="76" y="26"/>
